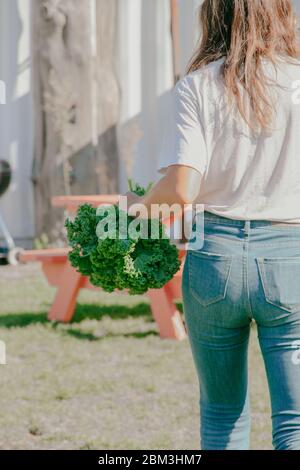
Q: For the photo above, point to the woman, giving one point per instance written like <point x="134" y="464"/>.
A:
<point x="233" y="146"/>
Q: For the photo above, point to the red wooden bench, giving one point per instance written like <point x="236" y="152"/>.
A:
<point x="68" y="281"/>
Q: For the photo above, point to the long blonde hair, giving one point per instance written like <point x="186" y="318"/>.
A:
<point x="244" y="32"/>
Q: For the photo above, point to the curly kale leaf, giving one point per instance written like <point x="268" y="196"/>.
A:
<point x="81" y="232"/>
<point x="112" y="262"/>
<point x="137" y="189"/>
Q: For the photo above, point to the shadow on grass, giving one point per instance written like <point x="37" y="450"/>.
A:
<point x="12" y="320"/>
<point x="78" y="334"/>
<point x="86" y="312"/>
<point x="82" y="312"/>
<point x="116" y="312"/>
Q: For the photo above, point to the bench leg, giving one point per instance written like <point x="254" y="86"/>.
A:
<point x="165" y="313"/>
<point x="65" y="299"/>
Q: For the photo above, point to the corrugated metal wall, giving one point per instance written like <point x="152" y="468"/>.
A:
<point x="146" y="77"/>
<point x="16" y="137"/>
<point x="145" y="71"/>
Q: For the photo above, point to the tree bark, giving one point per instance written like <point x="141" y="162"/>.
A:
<point x="68" y="159"/>
<point x="108" y="98"/>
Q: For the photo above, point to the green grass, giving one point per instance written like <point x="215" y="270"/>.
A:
<point x="104" y="381"/>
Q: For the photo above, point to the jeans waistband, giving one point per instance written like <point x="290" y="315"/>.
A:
<point x="214" y="218"/>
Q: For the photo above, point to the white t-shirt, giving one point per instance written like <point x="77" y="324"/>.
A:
<point x="246" y="175"/>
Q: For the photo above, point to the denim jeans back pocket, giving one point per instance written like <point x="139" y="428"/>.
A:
<point x="208" y="276"/>
<point x="280" y="279"/>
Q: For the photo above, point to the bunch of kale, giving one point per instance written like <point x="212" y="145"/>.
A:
<point x="136" y="262"/>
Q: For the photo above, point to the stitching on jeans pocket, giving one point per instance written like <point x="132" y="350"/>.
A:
<point x="280" y="289"/>
<point x="208" y="276"/>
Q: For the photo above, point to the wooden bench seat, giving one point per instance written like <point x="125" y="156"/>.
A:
<point x="61" y="274"/>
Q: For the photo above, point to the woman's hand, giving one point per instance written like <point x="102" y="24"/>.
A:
<point x="131" y="200"/>
<point x="180" y="185"/>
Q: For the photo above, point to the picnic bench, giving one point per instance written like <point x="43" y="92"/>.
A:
<point x="68" y="281"/>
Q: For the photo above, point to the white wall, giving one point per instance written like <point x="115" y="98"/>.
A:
<point x="146" y="77"/>
<point x="145" y="69"/>
<point x="16" y="139"/>
<point x="144" y="65"/>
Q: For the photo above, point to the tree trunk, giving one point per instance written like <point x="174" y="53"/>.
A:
<point x="75" y="144"/>
<point x="108" y="96"/>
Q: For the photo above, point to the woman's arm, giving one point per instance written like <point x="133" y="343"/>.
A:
<point x="180" y="185"/>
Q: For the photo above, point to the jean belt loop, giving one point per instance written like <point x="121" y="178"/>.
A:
<point x="247" y="226"/>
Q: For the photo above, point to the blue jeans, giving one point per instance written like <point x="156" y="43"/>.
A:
<point x="245" y="271"/>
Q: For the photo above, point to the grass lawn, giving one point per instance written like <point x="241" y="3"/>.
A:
<point x="104" y="381"/>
